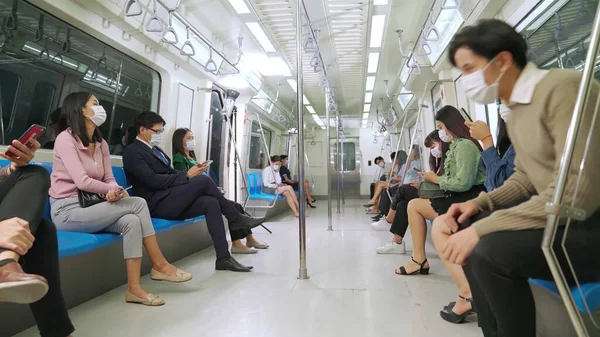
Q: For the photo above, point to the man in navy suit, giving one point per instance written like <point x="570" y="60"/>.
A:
<point x="178" y="195"/>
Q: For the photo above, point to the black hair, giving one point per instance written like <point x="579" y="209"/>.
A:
<point x="455" y="123"/>
<point x="402" y="157"/>
<point x="55" y="115"/>
<point x="178" y="146"/>
<point x="435" y="164"/>
<point x="378" y="158"/>
<point x="488" y="38"/>
<point x="146" y="120"/>
<point x="503" y="140"/>
<point x="393" y="156"/>
<point x="283" y="157"/>
<point x="131" y="135"/>
<point x="275" y="158"/>
<point x="72" y="117"/>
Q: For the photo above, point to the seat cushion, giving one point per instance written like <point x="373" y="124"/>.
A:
<point x="163" y="225"/>
<point x="120" y="176"/>
<point x="73" y="243"/>
<point x="106" y="239"/>
<point x="591" y="293"/>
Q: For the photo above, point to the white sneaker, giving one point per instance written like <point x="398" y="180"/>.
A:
<point x="392" y="248"/>
<point x="381" y="225"/>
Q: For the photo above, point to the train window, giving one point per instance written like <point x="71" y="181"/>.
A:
<point x="9" y="86"/>
<point x="38" y="71"/>
<point x="43" y="95"/>
<point x="257" y="158"/>
<point x="216" y="106"/>
<point x="349" y="156"/>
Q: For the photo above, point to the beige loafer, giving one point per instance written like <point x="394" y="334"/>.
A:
<point x="151" y="300"/>
<point x="180" y="276"/>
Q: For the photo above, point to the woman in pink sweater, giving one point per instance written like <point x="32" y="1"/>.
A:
<point x="82" y="162"/>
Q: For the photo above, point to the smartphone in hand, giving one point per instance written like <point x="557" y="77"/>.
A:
<point x="33" y="132"/>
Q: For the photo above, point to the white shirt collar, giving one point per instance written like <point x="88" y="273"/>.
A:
<point x="525" y="86"/>
<point x="143" y="141"/>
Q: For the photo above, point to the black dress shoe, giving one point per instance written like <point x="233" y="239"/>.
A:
<point x="246" y="222"/>
<point x="378" y="217"/>
<point x="231" y="264"/>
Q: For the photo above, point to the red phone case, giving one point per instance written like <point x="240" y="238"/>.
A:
<point x="34" y="131"/>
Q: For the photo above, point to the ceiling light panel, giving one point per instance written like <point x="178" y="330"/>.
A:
<point x="239" y="6"/>
<point x="311" y="109"/>
<point x="367" y="108"/>
<point x="373" y="63"/>
<point x="261" y="36"/>
<point x="368" y="97"/>
<point x="380" y="2"/>
<point x="377" y="29"/>
<point x="370" y="85"/>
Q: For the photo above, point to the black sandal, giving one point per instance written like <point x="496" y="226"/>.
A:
<point x="421" y="270"/>
<point x="450" y="316"/>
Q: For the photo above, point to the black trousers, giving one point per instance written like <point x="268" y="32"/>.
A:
<point x="403" y="196"/>
<point x="200" y="196"/>
<point x="385" y="201"/>
<point x="238" y="234"/>
<point x="502" y="262"/>
<point x="24" y="195"/>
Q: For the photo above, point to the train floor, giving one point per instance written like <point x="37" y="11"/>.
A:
<point x="352" y="291"/>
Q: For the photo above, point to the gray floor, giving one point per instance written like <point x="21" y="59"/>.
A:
<point x="352" y="291"/>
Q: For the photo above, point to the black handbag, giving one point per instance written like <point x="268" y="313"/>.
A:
<point x="87" y="199"/>
<point x="429" y="190"/>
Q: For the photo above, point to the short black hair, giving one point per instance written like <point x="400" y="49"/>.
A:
<point x="55" y="115"/>
<point x="147" y="119"/>
<point x="283" y="157"/>
<point x="488" y="38"/>
<point x="393" y="155"/>
<point x="378" y="158"/>
<point x="275" y="158"/>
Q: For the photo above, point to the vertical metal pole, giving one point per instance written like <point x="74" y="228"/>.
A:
<point x="555" y="206"/>
<point x="342" y="171"/>
<point x="114" y="107"/>
<point x="328" y="136"/>
<point x="209" y="149"/>
<point x="561" y="65"/>
<point x="303" y="273"/>
<point x="337" y="160"/>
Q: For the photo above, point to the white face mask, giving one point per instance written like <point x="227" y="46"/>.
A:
<point x="436" y="152"/>
<point x="99" y="116"/>
<point x="156" y="139"/>
<point x="504" y="112"/>
<point x="190" y="145"/>
<point x="381" y="164"/>
<point x="446" y="138"/>
<point x="276" y="167"/>
<point x="478" y="90"/>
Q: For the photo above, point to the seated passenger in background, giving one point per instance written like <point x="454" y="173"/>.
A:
<point x="178" y="195"/>
<point x="409" y="172"/>
<point x="499" y="165"/>
<point x="463" y="179"/>
<point x="399" y="160"/>
<point x="501" y="252"/>
<point x="397" y="219"/>
<point x="286" y="175"/>
<point x="52" y="131"/>
<point x="25" y="233"/>
<point x="184" y="158"/>
<point x="82" y="163"/>
<point x="272" y="184"/>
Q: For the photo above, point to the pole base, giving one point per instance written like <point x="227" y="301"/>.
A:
<point x="303" y="274"/>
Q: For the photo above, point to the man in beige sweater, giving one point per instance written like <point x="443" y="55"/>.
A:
<point x="503" y="249"/>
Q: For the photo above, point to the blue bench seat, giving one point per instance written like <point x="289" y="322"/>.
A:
<point x="591" y="293"/>
<point x="74" y="243"/>
<point x="255" y="184"/>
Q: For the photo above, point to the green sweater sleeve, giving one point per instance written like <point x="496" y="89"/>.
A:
<point x="462" y="176"/>
<point x="180" y="163"/>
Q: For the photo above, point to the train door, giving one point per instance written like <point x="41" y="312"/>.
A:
<point x="346" y="165"/>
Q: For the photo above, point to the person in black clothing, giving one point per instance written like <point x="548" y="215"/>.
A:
<point x="180" y="195"/>
<point x="54" y="127"/>
<point x="286" y="177"/>
<point x="28" y="237"/>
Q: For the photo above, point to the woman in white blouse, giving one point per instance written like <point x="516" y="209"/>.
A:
<point x="272" y="184"/>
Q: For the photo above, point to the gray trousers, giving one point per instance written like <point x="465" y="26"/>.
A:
<point x="129" y="217"/>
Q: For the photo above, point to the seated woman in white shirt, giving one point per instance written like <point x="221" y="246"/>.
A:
<point x="272" y="184"/>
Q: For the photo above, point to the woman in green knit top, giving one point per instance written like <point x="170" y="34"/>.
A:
<point x="183" y="159"/>
<point x="462" y="180"/>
